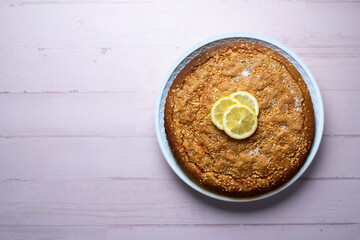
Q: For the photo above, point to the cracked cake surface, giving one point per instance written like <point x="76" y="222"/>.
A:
<point x="265" y="160"/>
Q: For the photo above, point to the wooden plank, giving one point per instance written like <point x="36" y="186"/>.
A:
<point x="171" y="202"/>
<point x="106" y="69"/>
<point x="42" y="159"/>
<point x="83" y="70"/>
<point x="275" y="232"/>
<point x="52" y="61"/>
<point x="341" y="231"/>
<point x="119" y="114"/>
<point x="335" y="107"/>
<point x="320" y="231"/>
<point x="127" y="114"/>
<point x="53" y="232"/>
<point x="329" y="64"/>
<point x="49" y="55"/>
<point x="82" y="159"/>
<point x="107" y="25"/>
<point x="335" y="157"/>
<point x="99" y="2"/>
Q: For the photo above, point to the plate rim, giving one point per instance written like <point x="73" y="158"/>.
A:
<point x="319" y="122"/>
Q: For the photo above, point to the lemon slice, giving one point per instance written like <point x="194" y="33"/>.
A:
<point x="218" y="109"/>
<point x="248" y="100"/>
<point x="239" y="121"/>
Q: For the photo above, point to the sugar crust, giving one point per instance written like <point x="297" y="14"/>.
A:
<point x="286" y="125"/>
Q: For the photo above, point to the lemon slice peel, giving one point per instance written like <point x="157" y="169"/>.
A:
<point x="218" y="109"/>
<point x="239" y="121"/>
<point x="247" y="99"/>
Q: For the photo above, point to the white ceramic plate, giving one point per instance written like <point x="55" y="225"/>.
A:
<point x="209" y="43"/>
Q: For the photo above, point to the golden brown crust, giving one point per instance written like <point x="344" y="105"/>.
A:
<point x="265" y="160"/>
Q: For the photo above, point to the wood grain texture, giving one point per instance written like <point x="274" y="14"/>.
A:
<point x="108" y="114"/>
<point x="246" y="231"/>
<point x="78" y="153"/>
<point x="190" y="232"/>
<point x="152" y="201"/>
<point x="58" y="232"/>
<point x="108" y="46"/>
<point x="106" y="158"/>
<point x="37" y="69"/>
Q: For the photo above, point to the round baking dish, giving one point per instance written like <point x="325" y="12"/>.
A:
<point x="227" y="38"/>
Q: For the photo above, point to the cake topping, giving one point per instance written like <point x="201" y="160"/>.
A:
<point x="239" y="121"/>
<point x="219" y="108"/>
<point x="236" y="114"/>
<point x="248" y="100"/>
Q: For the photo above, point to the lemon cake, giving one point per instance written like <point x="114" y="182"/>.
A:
<point x="218" y="161"/>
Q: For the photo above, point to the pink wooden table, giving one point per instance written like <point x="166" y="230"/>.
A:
<point x="78" y="153"/>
